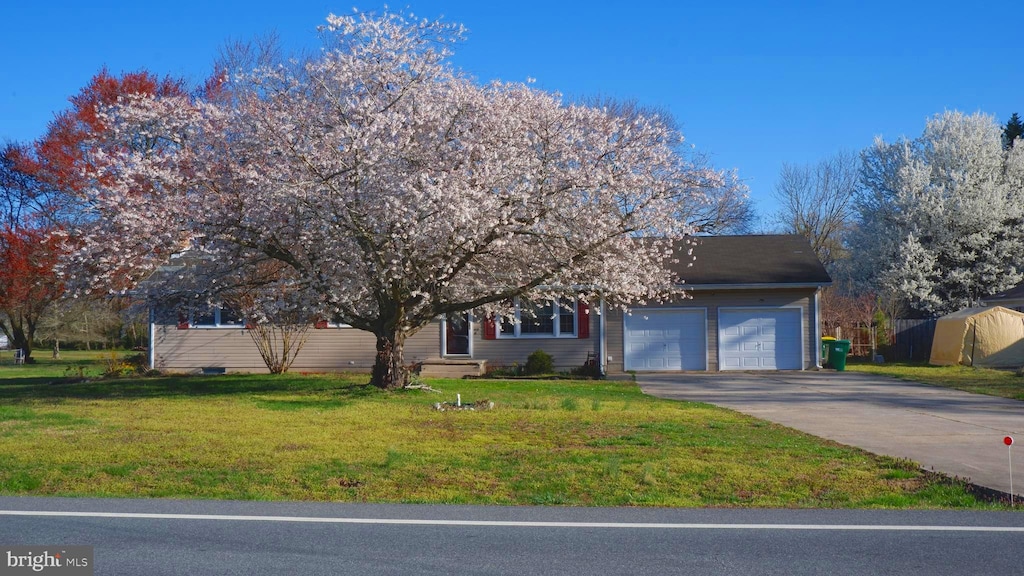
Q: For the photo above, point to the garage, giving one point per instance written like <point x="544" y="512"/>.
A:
<point x="666" y="339"/>
<point x="760" y="339"/>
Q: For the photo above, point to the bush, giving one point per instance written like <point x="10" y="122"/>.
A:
<point x="590" y="369"/>
<point x="503" y="371"/>
<point x="115" y="366"/>
<point x="540" y="362"/>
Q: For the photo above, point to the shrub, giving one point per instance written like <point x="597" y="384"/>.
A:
<point x="540" y="362"/>
<point x="501" y="370"/>
<point x="590" y="369"/>
<point x="115" y="366"/>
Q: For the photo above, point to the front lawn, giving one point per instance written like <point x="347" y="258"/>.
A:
<point x="46" y="368"/>
<point x="332" y="438"/>
<point x="1005" y="383"/>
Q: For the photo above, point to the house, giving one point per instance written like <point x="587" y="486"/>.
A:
<point x="1012" y="298"/>
<point x="752" y="305"/>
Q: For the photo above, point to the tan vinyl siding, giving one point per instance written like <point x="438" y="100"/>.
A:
<point x="712" y="300"/>
<point x="326" y="350"/>
<point x="337" y="349"/>
<point x="567" y="353"/>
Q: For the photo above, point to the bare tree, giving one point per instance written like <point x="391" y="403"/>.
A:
<point x="724" y="209"/>
<point x="276" y="325"/>
<point x="718" y="205"/>
<point x="816" y="201"/>
<point x="846" y="309"/>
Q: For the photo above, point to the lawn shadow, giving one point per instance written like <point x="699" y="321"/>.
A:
<point x="178" y="386"/>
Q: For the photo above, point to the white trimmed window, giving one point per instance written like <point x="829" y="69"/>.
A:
<point x="541" y="319"/>
<point x="215" y="317"/>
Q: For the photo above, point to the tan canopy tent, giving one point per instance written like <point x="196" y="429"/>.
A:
<point x="989" y="337"/>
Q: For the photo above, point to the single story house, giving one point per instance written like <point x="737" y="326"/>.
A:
<point x="1012" y="298"/>
<point x="752" y="304"/>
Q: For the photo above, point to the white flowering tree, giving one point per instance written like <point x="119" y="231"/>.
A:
<point x="394" y="188"/>
<point x="941" y="218"/>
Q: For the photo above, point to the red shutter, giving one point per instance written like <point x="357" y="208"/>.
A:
<point x="582" y="320"/>
<point x="490" y="328"/>
<point x="320" y="324"/>
<point x="182" y="322"/>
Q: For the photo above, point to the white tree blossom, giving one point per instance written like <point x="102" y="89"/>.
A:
<point x="393" y="187"/>
<point x="942" y="216"/>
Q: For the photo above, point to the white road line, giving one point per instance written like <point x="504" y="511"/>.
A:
<point x="515" y="524"/>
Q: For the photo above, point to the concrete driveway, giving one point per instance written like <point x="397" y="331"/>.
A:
<point x="956" y="433"/>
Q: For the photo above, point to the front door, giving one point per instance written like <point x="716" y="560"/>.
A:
<point x="457" y="334"/>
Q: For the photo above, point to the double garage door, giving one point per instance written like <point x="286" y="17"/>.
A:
<point x="748" y="339"/>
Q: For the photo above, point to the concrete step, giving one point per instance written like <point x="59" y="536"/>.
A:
<point x="451" y="368"/>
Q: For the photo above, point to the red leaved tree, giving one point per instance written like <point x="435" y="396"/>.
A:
<point x="28" y="254"/>
<point x="39" y="186"/>
<point x="58" y="159"/>
<point x="28" y="285"/>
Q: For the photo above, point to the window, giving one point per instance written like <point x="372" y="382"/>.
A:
<point x="541" y="319"/>
<point x="215" y="317"/>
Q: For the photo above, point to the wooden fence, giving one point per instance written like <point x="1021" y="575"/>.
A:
<point x="913" y="339"/>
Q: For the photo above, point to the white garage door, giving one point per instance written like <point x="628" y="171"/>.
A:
<point x="759" y="339"/>
<point x="666" y="340"/>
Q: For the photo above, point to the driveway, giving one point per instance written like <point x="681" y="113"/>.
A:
<point x="956" y="433"/>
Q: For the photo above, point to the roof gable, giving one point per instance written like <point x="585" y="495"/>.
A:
<point x="752" y="260"/>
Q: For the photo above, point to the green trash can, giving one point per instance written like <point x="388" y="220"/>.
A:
<point x="838" y="350"/>
<point x="826" y="347"/>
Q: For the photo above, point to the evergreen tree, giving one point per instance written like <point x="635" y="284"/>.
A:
<point x="1014" y="129"/>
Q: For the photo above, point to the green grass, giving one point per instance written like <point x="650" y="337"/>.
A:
<point x="1004" y="383"/>
<point x="72" y="363"/>
<point x="332" y="438"/>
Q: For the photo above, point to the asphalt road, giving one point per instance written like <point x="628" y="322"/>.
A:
<point x="253" y="538"/>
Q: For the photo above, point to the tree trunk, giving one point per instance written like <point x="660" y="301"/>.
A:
<point x="389" y="370"/>
<point x="24" y="343"/>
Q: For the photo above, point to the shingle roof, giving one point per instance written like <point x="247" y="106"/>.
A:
<point x="1015" y="293"/>
<point x="753" y="259"/>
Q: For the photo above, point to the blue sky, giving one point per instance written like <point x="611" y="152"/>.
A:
<point x="753" y="84"/>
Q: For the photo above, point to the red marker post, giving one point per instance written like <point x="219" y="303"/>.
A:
<point x="1009" y="451"/>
